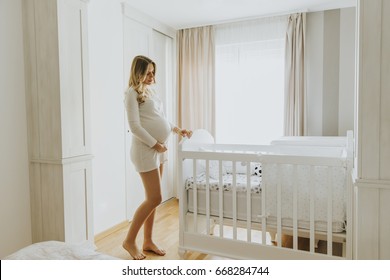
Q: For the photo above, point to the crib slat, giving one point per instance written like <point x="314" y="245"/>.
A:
<point x="220" y="200"/>
<point x="263" y="206"/>
<point x="295" y="209"/>
<point x="279" y="207"/>
<point x="312" y="192"/>
<point x="330" y="212"/>
<point x="248" y="203"/>
<point x="349" y="185"/>
<point x="207" y="198"/>
<point x="234" y="186"/>
<point x="195" y="198"/>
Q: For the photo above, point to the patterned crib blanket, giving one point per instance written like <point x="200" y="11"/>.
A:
<point x="227" y="183"/>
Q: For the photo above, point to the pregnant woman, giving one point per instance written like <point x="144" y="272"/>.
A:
<point x="150" y="131"/>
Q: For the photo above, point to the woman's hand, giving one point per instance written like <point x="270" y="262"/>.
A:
<point x="159" y="147"/>
<point x="186" y="133"/>
<point x="183" y="132"/>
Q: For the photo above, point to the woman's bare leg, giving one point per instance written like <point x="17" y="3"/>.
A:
<point x="149" y="245"/>
<point x="152" y="184"/>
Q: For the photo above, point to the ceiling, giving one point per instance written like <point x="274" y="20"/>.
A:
<point x="180" y="14"/>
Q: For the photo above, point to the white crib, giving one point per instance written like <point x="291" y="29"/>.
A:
<point x="304" y="192"/>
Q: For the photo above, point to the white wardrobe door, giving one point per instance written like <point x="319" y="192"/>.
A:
<point x="161" y="53"/>
<point x="136" y="41"/>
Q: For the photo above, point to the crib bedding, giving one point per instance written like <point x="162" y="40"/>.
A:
<point x="332" y="180"/>
<point x="320" y="211"/>
<point x="241" y="182"/>
<point x="58" y="250"/>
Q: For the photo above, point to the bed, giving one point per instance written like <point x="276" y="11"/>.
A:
<point x="239" y="201"/>
<point x="58" y="250"/>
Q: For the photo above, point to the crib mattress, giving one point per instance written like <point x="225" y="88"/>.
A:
<point x="338" y="225"/>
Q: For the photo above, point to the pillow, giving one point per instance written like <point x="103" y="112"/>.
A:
<point x="240" y="167"/>
<point x="257" y="170"/>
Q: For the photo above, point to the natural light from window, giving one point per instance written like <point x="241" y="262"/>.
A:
<point x="249" y="92"/>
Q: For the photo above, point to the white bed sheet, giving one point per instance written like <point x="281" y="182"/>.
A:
<point x="57" y="250"/>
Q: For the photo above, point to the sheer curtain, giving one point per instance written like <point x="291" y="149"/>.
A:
<point x="196" y="78"/>
<point x="295" y="76"/>
<point x="250" y="80"/>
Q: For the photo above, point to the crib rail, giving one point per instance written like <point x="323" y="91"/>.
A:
<point x="199" y="224"/>
<point x="264" y="149"/>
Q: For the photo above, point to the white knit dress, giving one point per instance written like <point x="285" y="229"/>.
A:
<point x="148" y="125"/>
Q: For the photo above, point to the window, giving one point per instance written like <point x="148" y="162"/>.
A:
<point x="250" y="81"/>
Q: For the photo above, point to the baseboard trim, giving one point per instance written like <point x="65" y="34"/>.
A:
<point x="379" y="184"/>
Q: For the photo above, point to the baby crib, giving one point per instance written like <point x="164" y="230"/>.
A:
<point x="242" y="201"/>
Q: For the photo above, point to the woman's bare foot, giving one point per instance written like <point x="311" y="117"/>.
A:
<point x="151" y="247"/>
<point x="133" y="250"/>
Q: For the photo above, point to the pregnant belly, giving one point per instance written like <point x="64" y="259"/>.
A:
<point x="159" y="128"/>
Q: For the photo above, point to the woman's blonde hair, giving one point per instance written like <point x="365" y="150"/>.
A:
<point x="138" y="72"/>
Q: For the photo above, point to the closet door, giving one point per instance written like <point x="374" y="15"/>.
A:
<point x="140" y="39"/>
<point x="133" y="45"/>
<point x="161" y="53"/>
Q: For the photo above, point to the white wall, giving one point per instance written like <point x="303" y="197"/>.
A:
<point x="314" y="71"/>
<point x="330" y="95"/>
<point x="107" y="113"/>
<point x="15" y="215"/>
<point x="347" y="70"/>
<point x="330" y="65"/>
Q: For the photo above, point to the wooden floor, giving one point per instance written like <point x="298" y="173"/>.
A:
<point x="166" y="235"/>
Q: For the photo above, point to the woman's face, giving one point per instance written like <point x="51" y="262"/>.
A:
<point x="149" y="79"/>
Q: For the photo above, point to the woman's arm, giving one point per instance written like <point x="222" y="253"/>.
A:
<point x="132" y="110"/>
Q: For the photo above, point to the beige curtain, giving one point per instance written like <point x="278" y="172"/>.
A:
<point x="196" y="49"/>
<point x="295" y="100"/>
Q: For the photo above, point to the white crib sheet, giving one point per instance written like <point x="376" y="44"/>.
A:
<point x="320" y="186"/>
